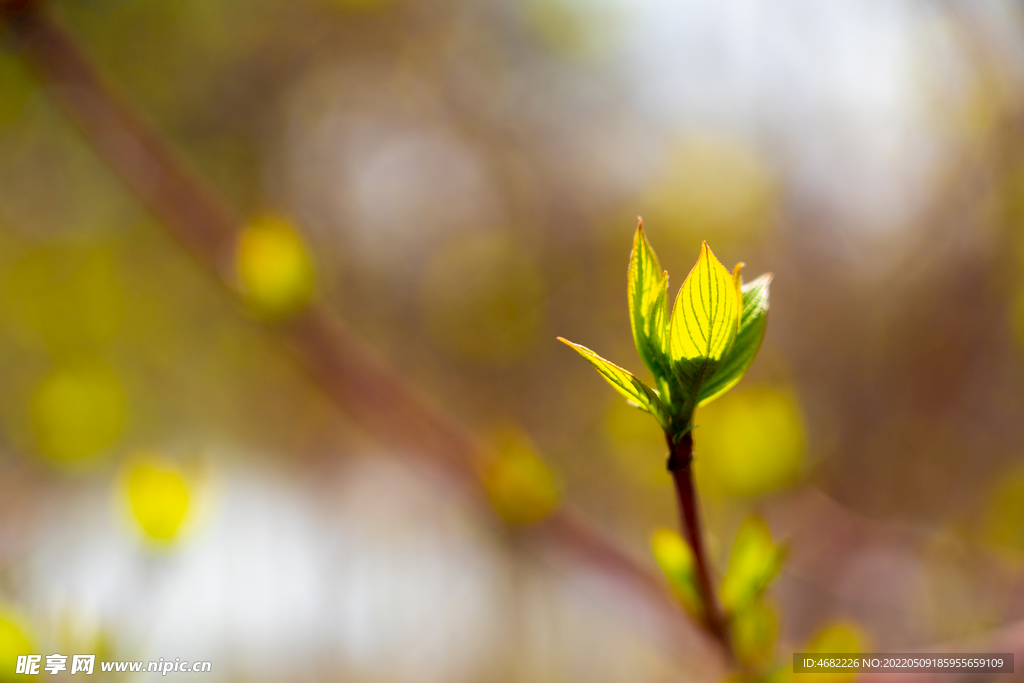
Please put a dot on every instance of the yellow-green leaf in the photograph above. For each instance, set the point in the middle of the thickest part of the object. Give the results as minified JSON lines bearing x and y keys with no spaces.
{"x":753,"y":320}
{"x":754,"y":630}
{"x":648,"y":305}
{"x":705,"y":319}
{"x":676,"y":559}
{"x":625,"y":383}
{"x":754,"y":562}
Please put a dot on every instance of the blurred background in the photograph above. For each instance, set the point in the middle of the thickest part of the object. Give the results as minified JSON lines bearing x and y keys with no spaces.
{"x":460,"y":181}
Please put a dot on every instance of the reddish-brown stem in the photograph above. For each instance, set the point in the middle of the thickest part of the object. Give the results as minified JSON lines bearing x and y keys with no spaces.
{"x":680,"y":461}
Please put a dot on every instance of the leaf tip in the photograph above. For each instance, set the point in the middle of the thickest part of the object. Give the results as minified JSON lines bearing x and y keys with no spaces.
{"x":737,"y":277}
{"x":578,"y":348}
{"x":639,"y":236}
{"x":706,"y":253}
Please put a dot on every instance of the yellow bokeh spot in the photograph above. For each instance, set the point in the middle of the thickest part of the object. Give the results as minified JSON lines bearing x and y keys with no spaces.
{"x":839,"y":638}
{"x":713,"y":187}
{"x":13,"y":642}
{"x":749,"y":442}
{"x":360,"y":6}
{"x":483,"y":298}
{"x":582,"y":30}
{"x":275,"y":273}
{"x":1003,"y":524}
{"x":637,"y":445}
{"x":521,"y":486}
{"x":158,"y":497}
{"x":77,"y":412}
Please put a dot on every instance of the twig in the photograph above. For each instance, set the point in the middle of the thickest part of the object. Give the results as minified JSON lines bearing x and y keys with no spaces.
{"x":680,"y":464}
{"x":335,"y":357}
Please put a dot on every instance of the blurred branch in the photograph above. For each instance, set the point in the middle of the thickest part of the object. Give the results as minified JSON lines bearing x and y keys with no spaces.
{"x":827,"y":536}
{"x":1007,"y":639}
{"x":335,"y":357}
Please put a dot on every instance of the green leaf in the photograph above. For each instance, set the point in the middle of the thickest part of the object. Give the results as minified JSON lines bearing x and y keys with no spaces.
{"x":754,"y":630}
{"x":648,"y":305}
{"x":705,"y":319}
{"x":625,"y":383}
{"x":676,"y":559}
{"x":748,"y":340}
{"x":754,"y":562}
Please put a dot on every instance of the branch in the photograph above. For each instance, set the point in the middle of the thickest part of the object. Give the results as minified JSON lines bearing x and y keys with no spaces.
{"x":334,"y":356}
